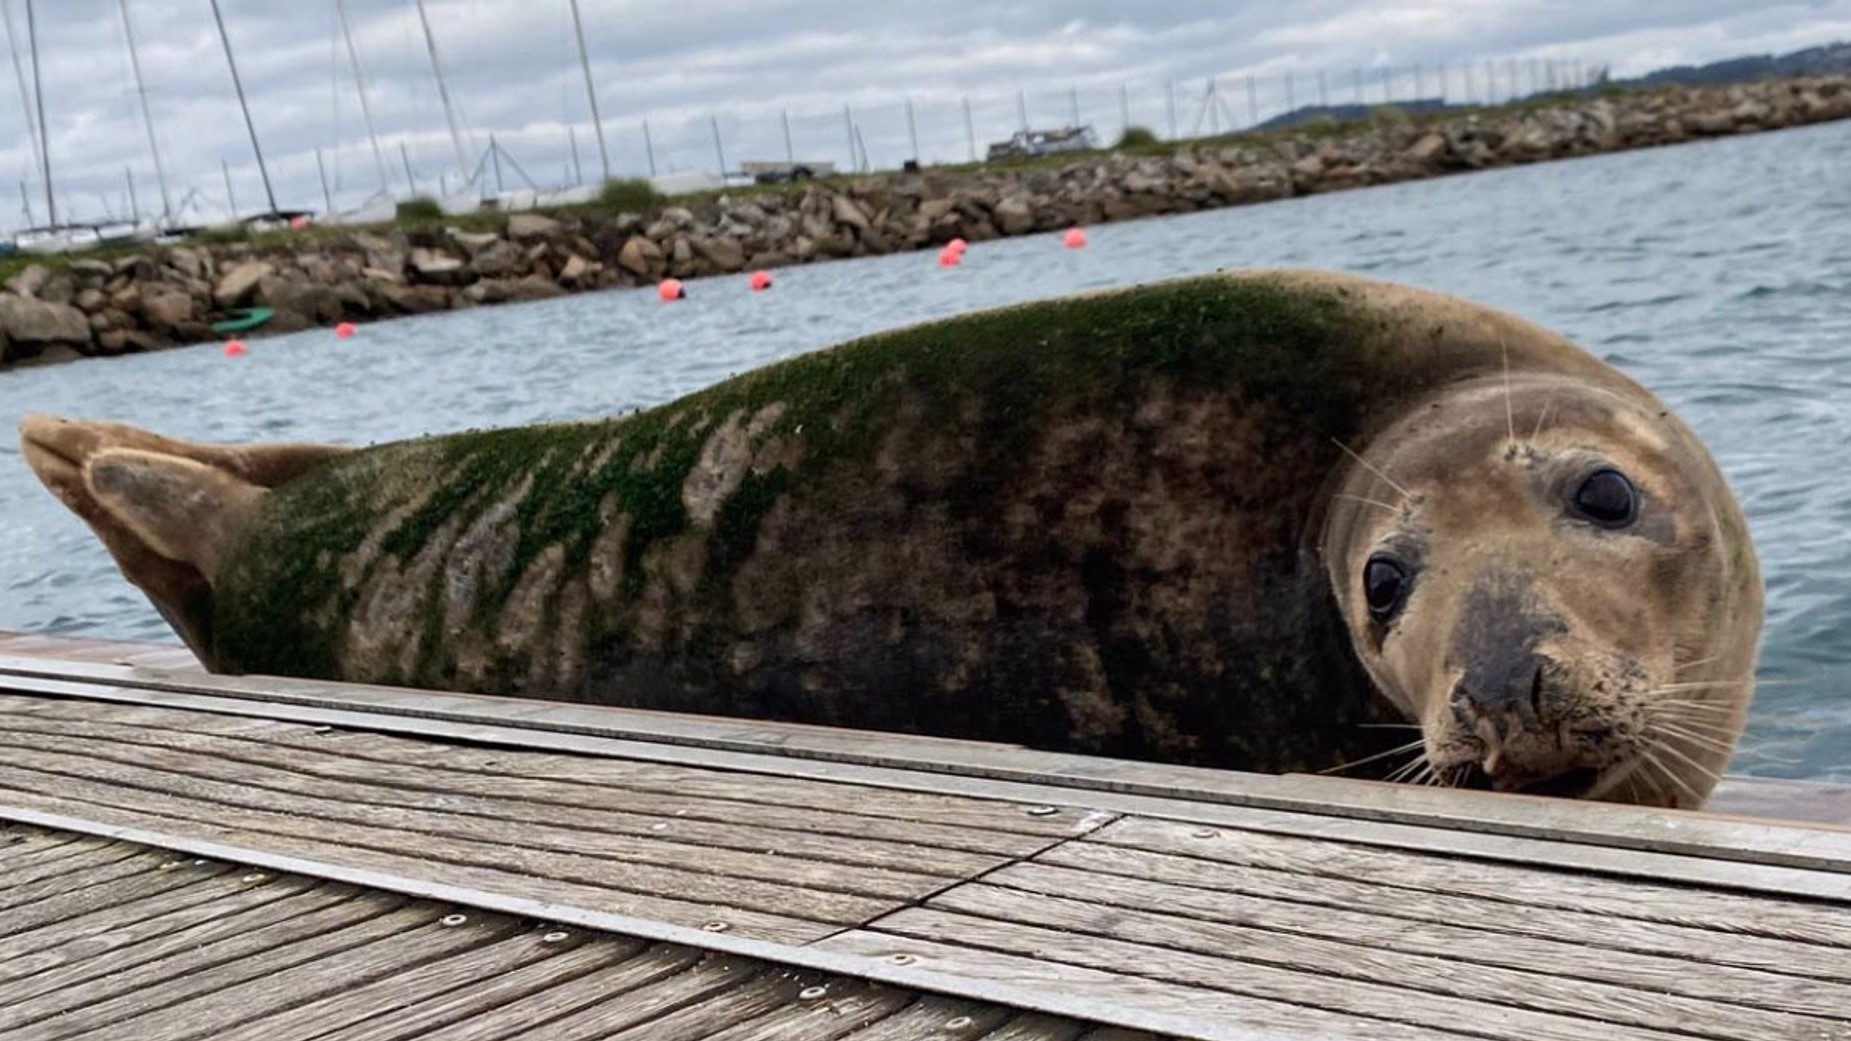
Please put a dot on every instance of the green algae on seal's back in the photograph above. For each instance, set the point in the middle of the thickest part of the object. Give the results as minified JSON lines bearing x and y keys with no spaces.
{"x":1088,"y":523}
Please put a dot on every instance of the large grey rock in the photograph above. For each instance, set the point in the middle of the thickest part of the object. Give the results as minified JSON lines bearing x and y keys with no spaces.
{"x":31,"y":321}
{"x":165,"y":308}
{"x":847,"y":211}
{"x":642,"y":257}
{"x":189,"y":262}
{"x":237,"y":285}
{"x":433,"y":266}
{"x":499,"y":259}
{"x":1014,"y":216}
{"x":723,"y":253}
{"x":28,"y":282}
{"x":524,"y":226}
{"x":473,"y":240}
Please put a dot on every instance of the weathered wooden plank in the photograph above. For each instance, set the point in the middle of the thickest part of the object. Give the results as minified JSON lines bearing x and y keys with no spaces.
{"x":308,"y":971}
{"x":844,"y":1005}
{"x":827,"y":809}
{"x":647,"y":838}
{"x":1036,"y":1027}
{"x":705,"y":981}
{"x":1529,"y":886}
{"x":494,"y":885}
{"x":69,"y":903}
{"x":466,"y":1007}
{"x":19,"y":842}
{"x":213,"y":968}
{"x":540,"y":1012}
{"x":95,"y":930}
{"x":937,"y":1018}
{"x":716,"y":1012}
{"x":1105,"y":793}
{"x":1386,"y":976}
{"x":238,"y":907}
{"x":100,"y":863}
{"x":1344,"y":996}
{"x":180,"y":773}
{"x":391,"y":995}
{"x":1609,"y":950}
{"x":33,"y":773}
{"x":1681,"y":832}
{"x":1214,"y":1012}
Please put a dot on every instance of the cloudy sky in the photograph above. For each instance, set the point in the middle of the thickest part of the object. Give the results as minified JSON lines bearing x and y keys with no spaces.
{"x":742,"y":66}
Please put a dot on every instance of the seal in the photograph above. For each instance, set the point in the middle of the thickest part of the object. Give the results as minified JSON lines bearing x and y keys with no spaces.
{"x":1253,"y":520}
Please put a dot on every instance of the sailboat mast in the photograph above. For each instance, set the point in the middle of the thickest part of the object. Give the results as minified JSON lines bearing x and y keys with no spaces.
{"x":25,"y":92}
{"x":38,"y":96}
{"x":366,"y":108}
{"x":443,"y":91}
{"x":591,"y":92}
{"x":147,"y":119}
{"x":238,"y":85}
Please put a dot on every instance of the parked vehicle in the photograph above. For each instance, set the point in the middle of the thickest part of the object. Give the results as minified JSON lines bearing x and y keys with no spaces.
{"x":1026,"y":144}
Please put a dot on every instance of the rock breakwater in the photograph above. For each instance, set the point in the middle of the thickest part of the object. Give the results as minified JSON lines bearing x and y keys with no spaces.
{"x":89,"y":306}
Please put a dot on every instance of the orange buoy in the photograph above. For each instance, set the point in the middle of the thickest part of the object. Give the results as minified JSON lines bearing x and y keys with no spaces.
{"x":345,"y":331}
{"x":949,"y":257}
{"x":235,"y":349}
{"x":1075,"y":238}
{"x":761,"y":281}
{"x":957,"y":244}
{"x":670,"y":290}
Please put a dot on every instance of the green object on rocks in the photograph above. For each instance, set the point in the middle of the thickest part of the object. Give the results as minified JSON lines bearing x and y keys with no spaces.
{"x":244,"y":318}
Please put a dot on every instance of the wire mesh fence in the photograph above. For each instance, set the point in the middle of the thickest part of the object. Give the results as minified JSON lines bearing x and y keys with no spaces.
{"x":941,"y":128}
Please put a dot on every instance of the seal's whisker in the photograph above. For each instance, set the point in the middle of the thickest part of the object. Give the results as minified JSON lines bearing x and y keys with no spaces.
{"x":1671,"y":775}
{"x":1696,"y":726}
{"x":1390,"y":507}
{"x":1389,"y":726}
{"x":1407,"y":769}
{"x":1692,"y":763}
{"x":1510,"y":413}
{"x":1374,"y":469}
{"x":1694,"y":738}
{"x":1675,"y":668}
{"x":1398,"y":750}
{"x":1543,"y":416}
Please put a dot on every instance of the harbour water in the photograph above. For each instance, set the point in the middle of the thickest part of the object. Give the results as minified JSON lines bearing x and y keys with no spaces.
{"x":1718,"y":274}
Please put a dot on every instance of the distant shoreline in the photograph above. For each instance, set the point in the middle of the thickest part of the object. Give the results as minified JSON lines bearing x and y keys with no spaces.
{"x":111,"y":303}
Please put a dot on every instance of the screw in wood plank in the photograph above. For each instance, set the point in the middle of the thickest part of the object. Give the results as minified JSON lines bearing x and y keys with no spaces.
{"x":255,"y":876}
{"x":170,"y":865}
{"x":556,"y":936}
{"x":901,"y":959}
{"x":199,"y":860}
{"x":714,"y":927}
{"x":812,"y":993}
{"x":659,"y":826}
{"x":1202,"y":833}
{"x":1042,"y":811}
{"x":957,"y":1022}
{"x":454,"y":919}
{"x":320,"y":729}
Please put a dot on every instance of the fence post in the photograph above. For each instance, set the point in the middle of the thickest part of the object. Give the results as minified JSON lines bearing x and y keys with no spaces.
{"x":649,"y":148}
{"x":718,"y":153}
{"x":790,"y":154}
{"x":912,"y":130}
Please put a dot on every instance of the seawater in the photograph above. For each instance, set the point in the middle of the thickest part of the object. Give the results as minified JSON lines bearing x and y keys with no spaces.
{"x":1717,"y":273}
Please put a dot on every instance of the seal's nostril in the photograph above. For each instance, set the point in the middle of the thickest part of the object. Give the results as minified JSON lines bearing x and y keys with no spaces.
{"x":1536,"y":692}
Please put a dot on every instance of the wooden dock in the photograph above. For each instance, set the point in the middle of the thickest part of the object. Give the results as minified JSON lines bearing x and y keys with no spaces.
{"x":195,"y":856}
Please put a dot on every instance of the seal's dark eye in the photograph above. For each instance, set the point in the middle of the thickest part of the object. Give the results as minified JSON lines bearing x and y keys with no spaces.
{"x":1607,"y":498}
{"x":1385,"y":582}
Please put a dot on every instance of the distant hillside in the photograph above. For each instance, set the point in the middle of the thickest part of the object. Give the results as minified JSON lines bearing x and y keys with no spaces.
{"x":1813,"y":61}
{"x":1831,"y":59}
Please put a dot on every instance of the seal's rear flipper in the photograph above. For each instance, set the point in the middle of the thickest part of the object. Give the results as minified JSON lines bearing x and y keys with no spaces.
{"x":166,"y":510}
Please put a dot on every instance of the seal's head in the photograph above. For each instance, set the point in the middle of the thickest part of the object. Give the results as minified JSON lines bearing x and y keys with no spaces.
{"x":1551,"y":576}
